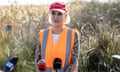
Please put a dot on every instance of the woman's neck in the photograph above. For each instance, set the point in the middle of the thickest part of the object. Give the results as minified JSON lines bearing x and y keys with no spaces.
{"x":57,"y":30}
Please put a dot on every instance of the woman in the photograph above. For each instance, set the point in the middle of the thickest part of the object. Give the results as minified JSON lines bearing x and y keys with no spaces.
{"x":58,"y":42}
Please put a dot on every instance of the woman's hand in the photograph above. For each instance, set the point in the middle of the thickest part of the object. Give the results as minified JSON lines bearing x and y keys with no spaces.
{"x":76,"y":68}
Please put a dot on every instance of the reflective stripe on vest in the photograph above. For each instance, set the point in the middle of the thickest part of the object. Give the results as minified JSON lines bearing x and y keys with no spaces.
{"x":44,"y":42}
{"x":68,"y":47}
{"x":43,"y":49}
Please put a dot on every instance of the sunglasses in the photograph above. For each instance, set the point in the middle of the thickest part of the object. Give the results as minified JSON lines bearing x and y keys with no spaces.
{"x":56,"y":13}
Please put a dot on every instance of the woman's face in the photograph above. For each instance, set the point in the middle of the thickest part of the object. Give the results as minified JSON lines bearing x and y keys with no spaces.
{"x":57,"y":18}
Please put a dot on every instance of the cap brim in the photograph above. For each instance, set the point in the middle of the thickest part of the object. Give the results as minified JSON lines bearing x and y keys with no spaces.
{"x":58,"y":10}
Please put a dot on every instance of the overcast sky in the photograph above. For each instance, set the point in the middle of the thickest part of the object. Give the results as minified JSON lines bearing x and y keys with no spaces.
{"x":35,"y":2}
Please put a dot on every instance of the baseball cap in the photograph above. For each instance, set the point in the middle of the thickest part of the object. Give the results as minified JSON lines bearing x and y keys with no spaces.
{"x":58,"y":6}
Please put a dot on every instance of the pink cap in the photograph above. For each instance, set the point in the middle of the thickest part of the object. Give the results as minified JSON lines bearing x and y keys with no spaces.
{"x":58,"y":6}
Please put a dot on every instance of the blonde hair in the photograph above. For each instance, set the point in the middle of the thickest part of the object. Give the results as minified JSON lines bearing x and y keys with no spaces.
{"x":67,"y":21}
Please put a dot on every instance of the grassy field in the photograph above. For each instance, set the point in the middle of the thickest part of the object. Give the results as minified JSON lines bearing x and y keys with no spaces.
{"x":98,"y":23}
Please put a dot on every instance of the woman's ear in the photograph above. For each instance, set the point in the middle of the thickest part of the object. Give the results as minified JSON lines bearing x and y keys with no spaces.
{"x":67,"y":18}
{"x":66,"y":14}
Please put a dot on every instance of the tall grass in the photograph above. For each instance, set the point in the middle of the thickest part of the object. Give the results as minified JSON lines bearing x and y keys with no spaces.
{"x":98,"y":24}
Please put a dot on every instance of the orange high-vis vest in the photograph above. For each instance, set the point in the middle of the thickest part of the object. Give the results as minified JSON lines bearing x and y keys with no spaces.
{"x":62,"y":49}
